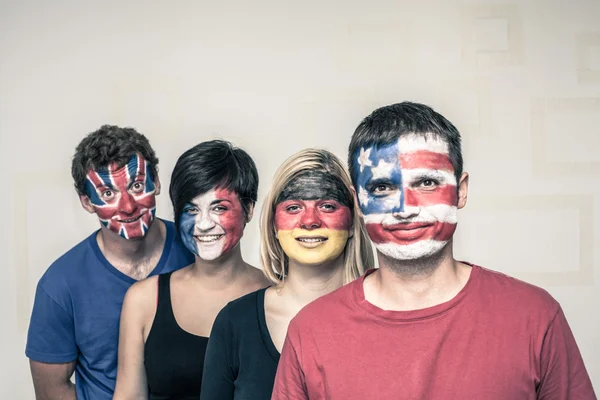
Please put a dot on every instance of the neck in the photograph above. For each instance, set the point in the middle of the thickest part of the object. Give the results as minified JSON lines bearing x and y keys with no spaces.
{"x":305,"y":283}
{"x":134,"y":250}
{"x":416,"y":284}
{"x":222,"y":271}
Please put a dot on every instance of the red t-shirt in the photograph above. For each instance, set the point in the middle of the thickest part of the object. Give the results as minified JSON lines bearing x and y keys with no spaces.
{"x":497,"y":339}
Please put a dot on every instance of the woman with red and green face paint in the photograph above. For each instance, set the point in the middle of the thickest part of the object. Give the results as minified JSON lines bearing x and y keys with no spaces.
{"x":313,"y":242}
{"x":166,"y":321}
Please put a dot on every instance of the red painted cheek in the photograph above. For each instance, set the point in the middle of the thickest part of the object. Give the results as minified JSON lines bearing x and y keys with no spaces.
{"x":445,"y":194}
{"x":233,"y":220}
{"x":340,"y":219}
{"x":285,"y":221}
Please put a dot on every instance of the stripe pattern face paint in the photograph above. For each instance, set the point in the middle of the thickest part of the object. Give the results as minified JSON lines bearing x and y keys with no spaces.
{"x":312,"y":232}
{"x":212,"y":223}
{"x":124,"y":199}
{"x":408,"y":195}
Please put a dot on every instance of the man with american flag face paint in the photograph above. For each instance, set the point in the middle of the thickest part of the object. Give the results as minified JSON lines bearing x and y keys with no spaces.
{"x":75,"y":320}
{"x":424,"y":325}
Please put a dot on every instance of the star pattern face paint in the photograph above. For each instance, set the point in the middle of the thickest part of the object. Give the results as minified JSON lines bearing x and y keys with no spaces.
{"x":124,"y":198}
{"x":212,"y":223}
{"x":407,"y":194}
{"x":312,"y":222}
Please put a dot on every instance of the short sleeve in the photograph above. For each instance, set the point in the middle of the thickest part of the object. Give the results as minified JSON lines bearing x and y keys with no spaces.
{"x":290,"y":382}
{"x":564,"y":376}
{"x":218,"y":374}
{"x":51,"y":335}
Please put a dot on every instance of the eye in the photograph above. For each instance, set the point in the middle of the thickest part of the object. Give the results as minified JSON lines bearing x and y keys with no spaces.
{"x":108,"y":194}
{"x":328,"y":207}
{"x":427,"y":183}
{"x":190,"y":210}
{"x":137,"y":187}
{"x":292,"y":208}
{"x":220,"y":209}
{"x":382,"y":189}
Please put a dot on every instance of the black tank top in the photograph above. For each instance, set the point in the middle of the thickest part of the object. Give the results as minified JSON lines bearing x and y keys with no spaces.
{"x":173,"y":358}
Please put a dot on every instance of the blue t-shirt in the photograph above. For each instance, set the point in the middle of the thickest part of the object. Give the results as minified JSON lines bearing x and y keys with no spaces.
{"x":77,"y":309}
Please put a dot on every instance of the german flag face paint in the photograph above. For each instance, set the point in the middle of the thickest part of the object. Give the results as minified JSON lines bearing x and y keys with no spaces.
{"x":124,"y":198}
{"x":312,"y":219}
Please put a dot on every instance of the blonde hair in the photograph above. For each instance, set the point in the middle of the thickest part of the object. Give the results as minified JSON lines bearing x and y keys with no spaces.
{"x":358,"y":253}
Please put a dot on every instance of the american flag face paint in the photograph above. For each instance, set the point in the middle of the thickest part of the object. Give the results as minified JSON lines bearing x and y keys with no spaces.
{"x":408,"y":196}
{"x":312,"y":232}
{"x":124,"y":198}
{"x":212,"y":223}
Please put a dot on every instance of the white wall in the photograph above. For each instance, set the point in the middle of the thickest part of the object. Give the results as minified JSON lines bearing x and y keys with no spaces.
{"x":520,"y":79}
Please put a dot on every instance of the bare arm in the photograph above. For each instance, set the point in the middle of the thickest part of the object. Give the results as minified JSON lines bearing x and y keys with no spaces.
{"x":131,"y":375}
{"x":53,"y":381}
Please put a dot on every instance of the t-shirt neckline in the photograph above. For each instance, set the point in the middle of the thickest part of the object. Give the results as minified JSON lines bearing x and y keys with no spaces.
{"x":159,"y":266}
{"x":262,"y":325}
{"x":358,"y":295}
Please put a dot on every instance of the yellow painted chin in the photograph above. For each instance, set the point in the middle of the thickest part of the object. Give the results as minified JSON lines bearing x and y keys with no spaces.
{"x":313,"y":254}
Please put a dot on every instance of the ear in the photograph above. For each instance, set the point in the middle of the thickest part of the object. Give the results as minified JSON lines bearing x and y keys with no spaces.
{"x":156,"y":185}
{"x":356,"y":202}
{"x":86,"y":203}
{"x":250,"y":213}
{"x":463,"y":190}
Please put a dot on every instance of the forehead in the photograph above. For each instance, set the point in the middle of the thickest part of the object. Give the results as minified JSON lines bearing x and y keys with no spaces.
{"x":213,"y":195}
{"x":136,"y":165}
{"x":409,"y":150}
{"x":314,"y":185}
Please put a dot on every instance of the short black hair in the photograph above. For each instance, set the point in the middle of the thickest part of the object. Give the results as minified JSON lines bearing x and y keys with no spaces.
{"x":109,"y":144}
{"x":386,"y":124}
{"x":211,"y":164}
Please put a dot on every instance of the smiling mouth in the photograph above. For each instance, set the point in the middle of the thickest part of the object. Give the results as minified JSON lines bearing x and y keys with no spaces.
{"x":208,"y":238}
{"x":128,"y":221}
{"x":412,"y":226}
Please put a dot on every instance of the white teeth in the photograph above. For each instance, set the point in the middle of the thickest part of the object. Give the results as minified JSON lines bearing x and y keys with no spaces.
{"x":208,"y":238}
{"x":311,"y":240}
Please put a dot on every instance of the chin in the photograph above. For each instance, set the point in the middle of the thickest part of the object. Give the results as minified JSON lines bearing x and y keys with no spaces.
{"x":413,"y":251}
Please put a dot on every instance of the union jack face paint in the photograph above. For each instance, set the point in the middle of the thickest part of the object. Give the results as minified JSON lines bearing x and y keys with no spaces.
{"x":407,"y":193}
{"x":124,"y":198}
{"x":212,"y":223}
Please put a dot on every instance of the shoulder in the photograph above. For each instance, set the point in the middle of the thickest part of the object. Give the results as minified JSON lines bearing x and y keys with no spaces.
{"x":142,"y":296}
{"x":63,"y":272}
{"x":512,"y":292}
{"x":243,"y":310}
{"x":326,"y":308}
{"x":256,"y":278}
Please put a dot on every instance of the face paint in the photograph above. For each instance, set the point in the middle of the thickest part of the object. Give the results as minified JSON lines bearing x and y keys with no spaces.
{"x":313,"y":219}
{"x":124,"y":198}
{"x":407,"y":194}
{"x":212,"y":223}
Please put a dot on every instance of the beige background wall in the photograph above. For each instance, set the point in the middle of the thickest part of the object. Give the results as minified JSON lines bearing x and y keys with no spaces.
{"x":520,"y":79}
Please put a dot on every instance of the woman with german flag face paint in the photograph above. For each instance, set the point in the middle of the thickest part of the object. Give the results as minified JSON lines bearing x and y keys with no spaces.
{"x":313,"y":242}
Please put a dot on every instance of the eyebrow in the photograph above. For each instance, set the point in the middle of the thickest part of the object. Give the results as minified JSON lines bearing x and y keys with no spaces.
{"x":216,"y":201}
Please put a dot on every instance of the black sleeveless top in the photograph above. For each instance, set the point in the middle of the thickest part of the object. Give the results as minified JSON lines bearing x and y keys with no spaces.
{"x":173,"y":358}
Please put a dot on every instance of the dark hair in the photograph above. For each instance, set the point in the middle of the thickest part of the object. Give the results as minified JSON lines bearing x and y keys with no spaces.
{"x":109,"y":144}
{"x":386,"y":124}
{"x":216,"y":163}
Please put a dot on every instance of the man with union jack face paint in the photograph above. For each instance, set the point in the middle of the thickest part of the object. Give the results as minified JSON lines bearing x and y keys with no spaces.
{"x":75,"y":320}
{"x":424,"y":325}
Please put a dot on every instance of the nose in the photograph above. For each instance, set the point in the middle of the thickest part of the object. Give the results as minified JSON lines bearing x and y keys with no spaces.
{"x":205,"y":223}
{"x":126,"y":203}
{"x":407,"y":212}
{"x":310,"y":219}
